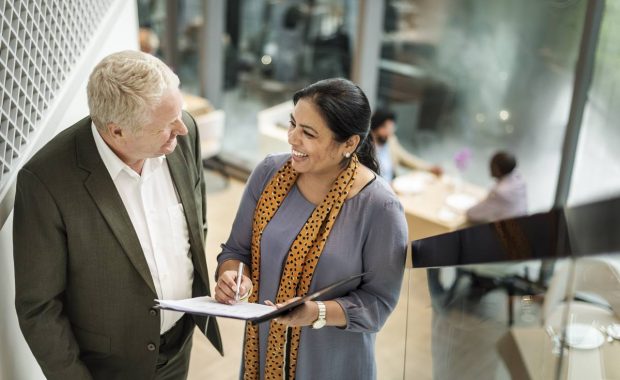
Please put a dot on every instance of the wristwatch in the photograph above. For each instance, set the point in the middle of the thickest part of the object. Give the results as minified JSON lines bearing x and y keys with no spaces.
{"x":320,"y":321}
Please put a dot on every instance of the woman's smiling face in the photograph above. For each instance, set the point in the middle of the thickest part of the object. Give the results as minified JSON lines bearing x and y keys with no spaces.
{"x":314,"y":148}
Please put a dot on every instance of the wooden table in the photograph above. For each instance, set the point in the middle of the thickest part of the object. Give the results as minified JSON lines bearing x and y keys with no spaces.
{"x":427,"y":212}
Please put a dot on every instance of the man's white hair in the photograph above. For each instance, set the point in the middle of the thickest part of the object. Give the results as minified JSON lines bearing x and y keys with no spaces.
{"x":125,"y":87}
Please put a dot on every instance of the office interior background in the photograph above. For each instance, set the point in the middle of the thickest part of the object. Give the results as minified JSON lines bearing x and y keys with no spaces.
{"x":539,"y":78}
{"x":459,"y":74}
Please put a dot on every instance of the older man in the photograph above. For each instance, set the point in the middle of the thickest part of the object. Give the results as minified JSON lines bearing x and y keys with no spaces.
{"x":110,"y":215}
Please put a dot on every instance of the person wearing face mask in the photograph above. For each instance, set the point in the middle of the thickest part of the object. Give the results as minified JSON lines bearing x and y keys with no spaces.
{"x":307,"y":219}
{"x":390,"y":153}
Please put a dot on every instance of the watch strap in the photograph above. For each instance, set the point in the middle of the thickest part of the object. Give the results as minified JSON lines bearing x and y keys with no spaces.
{"x":321,"y":320}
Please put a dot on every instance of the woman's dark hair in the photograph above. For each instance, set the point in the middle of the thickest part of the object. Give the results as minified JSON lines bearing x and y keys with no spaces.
{"x":345,"y":108}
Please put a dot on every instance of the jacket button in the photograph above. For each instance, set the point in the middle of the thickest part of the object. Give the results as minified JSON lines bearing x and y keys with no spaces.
{"x":150,"y":347}
{"x":153,"y":312}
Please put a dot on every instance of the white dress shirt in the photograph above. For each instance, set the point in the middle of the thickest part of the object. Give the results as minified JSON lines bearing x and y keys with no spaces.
{"x":157,"y":216}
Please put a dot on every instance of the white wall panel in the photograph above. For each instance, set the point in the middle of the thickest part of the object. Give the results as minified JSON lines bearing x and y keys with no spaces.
{"x":47,"y":50}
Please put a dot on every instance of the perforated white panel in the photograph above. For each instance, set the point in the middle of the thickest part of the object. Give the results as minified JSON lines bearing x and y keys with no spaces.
{"x":40,"y":43}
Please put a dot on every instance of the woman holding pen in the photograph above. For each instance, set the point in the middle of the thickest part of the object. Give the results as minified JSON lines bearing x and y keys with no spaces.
{"x":307,"y":219}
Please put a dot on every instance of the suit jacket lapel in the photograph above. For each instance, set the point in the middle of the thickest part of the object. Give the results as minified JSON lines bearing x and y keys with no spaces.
{"x":180,"y":172}
{"x":106,"y":197}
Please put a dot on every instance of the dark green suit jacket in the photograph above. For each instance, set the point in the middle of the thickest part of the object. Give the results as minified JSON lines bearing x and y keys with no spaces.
{"x":84,"y":293}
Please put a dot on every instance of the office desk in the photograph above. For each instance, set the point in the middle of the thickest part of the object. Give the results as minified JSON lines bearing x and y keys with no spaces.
{"x":438,"y":206}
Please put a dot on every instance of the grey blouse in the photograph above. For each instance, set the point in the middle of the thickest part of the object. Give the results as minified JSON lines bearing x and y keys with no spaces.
{"x":370,"y":234}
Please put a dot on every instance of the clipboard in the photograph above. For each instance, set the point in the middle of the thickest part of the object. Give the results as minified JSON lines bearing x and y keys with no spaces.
{"x":251,"y":312}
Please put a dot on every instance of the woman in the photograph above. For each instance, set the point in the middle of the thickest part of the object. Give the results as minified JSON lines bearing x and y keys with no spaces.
{"x":310,"y":218}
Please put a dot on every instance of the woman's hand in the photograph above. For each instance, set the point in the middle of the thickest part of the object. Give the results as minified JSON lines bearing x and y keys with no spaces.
{"x":227,"y":284}
{"x":303,"y":315}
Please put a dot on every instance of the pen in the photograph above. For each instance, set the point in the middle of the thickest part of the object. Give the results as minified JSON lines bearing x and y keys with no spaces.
{"x":239,"y":275}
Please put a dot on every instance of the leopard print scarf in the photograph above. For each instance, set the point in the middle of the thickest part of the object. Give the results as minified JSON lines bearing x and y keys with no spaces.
{"x":301,"y":261}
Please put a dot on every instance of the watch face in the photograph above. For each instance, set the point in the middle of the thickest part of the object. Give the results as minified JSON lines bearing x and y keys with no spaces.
{"x":318,"y":324}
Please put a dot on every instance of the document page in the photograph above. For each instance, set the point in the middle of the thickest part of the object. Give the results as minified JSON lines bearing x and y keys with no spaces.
{"x":254,"y":312}
{"x":209,"y":306}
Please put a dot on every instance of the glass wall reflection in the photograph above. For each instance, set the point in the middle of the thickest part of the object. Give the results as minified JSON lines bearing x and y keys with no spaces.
{"x":483,"y":76}
{"x":569,"y":331}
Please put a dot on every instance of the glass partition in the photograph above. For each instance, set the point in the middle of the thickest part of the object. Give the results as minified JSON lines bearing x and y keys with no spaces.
{"x":464,"y":322}
{"x":478,"y":308}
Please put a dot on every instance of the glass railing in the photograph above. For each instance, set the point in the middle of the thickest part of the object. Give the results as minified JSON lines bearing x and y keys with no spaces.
{"x":536,"y":297}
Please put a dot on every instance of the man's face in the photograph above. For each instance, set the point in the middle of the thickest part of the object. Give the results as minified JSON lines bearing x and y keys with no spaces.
{"x":159,"y":136}
{"x":384,"y":132}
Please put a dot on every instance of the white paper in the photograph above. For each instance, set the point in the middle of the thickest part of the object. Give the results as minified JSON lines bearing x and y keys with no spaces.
{"x":446,"y":215}
{"x":209,"y":306}
{"x":412,"y":183}
{"x":460,"y":201}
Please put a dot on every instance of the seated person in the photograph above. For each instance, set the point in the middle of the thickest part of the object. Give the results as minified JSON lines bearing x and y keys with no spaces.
{"x":390,"y":153}
{"x":508,"y":198}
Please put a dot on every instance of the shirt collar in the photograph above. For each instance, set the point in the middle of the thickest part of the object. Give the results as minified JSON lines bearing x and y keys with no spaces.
{"x":115,"y":165}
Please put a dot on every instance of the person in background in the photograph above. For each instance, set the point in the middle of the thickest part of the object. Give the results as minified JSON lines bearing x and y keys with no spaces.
{"x":148,"y":40}
{"x":110,"y":215}
{"x":390,"y":153}
{"x":507,"y":198}
{"x":307,"y":219}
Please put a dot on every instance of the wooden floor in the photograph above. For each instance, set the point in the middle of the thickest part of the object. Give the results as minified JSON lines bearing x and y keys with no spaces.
{"x":404,"y":350}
